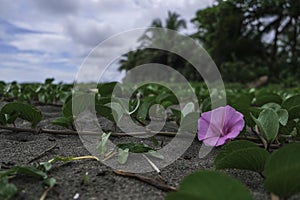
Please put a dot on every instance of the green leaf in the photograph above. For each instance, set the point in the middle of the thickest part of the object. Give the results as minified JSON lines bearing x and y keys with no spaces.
{"x":288,"y":128}
{"x":82,"y":103}
{"x":134,"y":147}
{"x":182,"y":195}
{"x":241,"y":155}
{"x":63,"y":121}
{"x":2,"y":119}
{"x":155,"y":154}
{"x":273,"y":106}
{"x":123,"y":156}
{"x":24,"y":111}
{"x":106,"y":112}
{"x":45,"y":166}
{"x":267,"y":98}
{"x":7,"y":190}
{"x":292,"y":105}
{"x":49,"y":81}
{"x":268,"y":124}
{"x":106,"y":89}
{"x":190,"y":123}
{"x":32,"y":171}
{"x":210,"y":185}
{"x":102,"y":147}
{"x":282,"y":171}
{"x":283,"y":116}
{"x":188,"y":108}
{"x":117,"y":110}
{"x":143,"y":110}
{"x":50,"y":182}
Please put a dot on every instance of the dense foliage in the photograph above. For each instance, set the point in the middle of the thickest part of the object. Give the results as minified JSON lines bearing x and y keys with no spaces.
{"x":271,"y":121}
{"x":246,"y":39}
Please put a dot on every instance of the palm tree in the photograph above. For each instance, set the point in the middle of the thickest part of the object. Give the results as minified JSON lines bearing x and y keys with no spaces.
{"x":151,"y":37}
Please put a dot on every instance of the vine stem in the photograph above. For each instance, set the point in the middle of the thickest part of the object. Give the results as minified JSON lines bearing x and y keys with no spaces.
{"x":146,"y":179}
{"x":69,"y":132}
{"x":266,"y":146}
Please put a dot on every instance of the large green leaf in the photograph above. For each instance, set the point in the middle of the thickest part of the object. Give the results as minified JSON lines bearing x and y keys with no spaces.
{"x":292,"y":105}
{"x":210,"y":185}
{"x":268,"y":124}
{"x":262,"y":99}
{"x":242,"y":155}
{"x":24,"y":111}
{"x":283,"y":114}
{"x":282,"y":171}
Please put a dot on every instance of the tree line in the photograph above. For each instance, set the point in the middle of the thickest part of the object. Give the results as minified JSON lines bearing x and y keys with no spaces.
{"x":245,"y":38}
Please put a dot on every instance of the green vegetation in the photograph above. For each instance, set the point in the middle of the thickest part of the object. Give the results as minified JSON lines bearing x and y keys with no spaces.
{"x":246,"y":39}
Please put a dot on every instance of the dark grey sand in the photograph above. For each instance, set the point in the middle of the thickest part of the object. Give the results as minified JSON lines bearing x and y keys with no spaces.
{"x":20,"y":148}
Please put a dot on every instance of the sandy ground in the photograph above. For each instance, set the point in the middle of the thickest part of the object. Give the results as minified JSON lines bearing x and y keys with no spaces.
{"x":20,"y":148}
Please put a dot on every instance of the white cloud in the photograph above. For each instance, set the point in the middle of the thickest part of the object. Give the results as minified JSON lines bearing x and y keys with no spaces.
{"x":74,"y":28}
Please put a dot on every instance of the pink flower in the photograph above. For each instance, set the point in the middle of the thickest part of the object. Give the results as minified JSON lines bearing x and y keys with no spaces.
{"x":218,"y":126}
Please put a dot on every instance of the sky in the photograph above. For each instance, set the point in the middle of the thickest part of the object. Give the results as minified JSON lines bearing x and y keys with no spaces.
{"x":42,"y":39}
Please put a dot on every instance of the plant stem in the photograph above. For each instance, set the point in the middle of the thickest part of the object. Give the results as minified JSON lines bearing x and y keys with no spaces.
{"x":148,"y":180}
{"x":42,"y":154}
{"x":70,"y":132}
{"x":266,"y":146}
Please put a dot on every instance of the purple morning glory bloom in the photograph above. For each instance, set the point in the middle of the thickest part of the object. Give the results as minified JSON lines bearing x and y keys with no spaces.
{"x":218,"y":126}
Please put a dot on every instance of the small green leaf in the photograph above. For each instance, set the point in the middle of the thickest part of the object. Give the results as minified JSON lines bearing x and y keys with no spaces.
{"x":134,"y":147}
{"x":44,"y":166}
{"x":241,"y":155}
{"x":50,"y":182}
{"x":188,"y":108}
{"x":7,"y":190}
{"x":155,"y":154}
{"x":123,"y":156}
{"x":210,"y":185}
{"x":282,"y":171}
{"x":283,"y":116}
{"x":143,"y":110}
{"x":268,"y":124}
{"x":102,"y":147}
{"x":24,"y":111}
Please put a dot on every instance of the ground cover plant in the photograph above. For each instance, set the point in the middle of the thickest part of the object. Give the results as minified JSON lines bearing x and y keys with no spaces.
{"x":266,"y":141}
